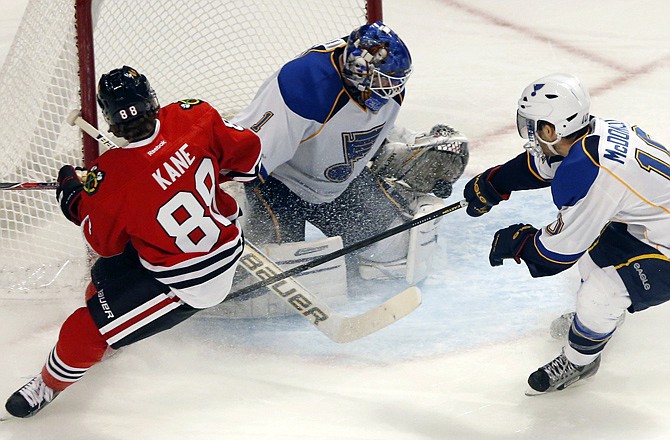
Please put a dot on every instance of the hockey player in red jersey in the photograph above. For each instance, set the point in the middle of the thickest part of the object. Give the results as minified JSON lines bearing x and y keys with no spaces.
{"x":167,"y":234}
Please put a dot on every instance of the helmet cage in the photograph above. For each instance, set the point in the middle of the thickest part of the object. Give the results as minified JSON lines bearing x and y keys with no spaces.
{"x":527,"y":128}
{"x":387,"y":86}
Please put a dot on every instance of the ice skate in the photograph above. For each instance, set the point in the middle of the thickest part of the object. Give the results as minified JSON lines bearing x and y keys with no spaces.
{"x":559,"y":374}
{"x":30,"y":398}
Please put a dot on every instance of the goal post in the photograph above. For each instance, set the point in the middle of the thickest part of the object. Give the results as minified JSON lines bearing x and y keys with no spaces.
{"x":215,"y":50}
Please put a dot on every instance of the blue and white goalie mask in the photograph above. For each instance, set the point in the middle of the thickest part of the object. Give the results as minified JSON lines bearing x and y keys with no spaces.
{"x":377,"y":63}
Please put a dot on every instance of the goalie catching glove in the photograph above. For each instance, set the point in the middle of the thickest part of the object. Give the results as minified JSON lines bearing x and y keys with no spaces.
{"x":429,"y":165}
{"x":68,"y":193}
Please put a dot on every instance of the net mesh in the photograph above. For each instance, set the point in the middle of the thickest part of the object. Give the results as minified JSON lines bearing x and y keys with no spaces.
{"x":212,"y":50}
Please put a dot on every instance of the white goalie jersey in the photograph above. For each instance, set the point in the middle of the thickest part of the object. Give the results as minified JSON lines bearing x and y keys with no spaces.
{"x":615,"y":173}
{"x":315,"y":137}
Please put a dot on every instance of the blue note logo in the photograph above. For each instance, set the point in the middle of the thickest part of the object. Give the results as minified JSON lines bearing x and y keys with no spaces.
{"x":355,"y":145}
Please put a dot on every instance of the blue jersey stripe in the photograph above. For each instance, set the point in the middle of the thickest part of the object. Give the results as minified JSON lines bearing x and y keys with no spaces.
{"x":554,"y":257}
{"x":576,"y":174}
{"x":312,"y":86}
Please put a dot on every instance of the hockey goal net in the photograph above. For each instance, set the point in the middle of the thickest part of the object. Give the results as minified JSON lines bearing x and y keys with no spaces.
{"x":219,"y":51}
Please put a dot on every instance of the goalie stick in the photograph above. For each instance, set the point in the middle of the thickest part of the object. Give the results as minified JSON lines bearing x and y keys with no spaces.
{"x":347,"y":249}
{"x":337,"y":327}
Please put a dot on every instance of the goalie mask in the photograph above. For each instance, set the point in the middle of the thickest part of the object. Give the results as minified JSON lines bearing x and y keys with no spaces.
{"x":559,"y":99}
{"x":377,"y":63}
{"x":124,"y":95}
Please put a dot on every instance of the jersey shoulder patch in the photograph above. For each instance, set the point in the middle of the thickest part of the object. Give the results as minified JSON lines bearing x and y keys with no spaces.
{"x":577,"y":172}
{"x":93,"y":179}
{"x":183,"y":113}
{"x":311,"y":85}
{"x":188,"y":104}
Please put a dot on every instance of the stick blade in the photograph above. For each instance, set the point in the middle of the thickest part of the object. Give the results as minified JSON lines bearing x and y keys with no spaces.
{"x":385,"y":314}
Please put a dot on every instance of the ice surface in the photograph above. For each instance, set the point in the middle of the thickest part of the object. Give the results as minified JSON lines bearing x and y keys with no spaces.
{"x":456,"y":367}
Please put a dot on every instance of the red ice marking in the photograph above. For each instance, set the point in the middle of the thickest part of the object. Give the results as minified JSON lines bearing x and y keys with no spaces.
{"x":625,"y":73}
{"x":531,"y":33}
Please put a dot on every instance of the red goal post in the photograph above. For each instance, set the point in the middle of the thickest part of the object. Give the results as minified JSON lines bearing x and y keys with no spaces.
{"x":215,"y":50}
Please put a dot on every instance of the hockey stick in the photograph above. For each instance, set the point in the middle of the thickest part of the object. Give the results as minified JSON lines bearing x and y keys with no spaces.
{"x":74,"y":118}
{"x":347,"y":249}
{"x":337,"y":327}
{"x":28,"y":185}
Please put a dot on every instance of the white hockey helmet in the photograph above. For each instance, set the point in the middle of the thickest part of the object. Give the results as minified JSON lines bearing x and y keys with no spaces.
{"x":559,"y":99}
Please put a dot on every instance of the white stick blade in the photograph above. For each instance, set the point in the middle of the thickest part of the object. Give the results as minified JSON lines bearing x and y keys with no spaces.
{"x":356,"y":327}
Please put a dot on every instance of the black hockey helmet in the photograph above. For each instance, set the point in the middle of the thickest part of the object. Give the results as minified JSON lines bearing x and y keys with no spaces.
{"x":125,"y":95}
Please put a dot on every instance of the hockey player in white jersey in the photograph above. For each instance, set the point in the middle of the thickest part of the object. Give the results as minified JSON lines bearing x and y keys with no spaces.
{"x":322,"y":118}
{"x":611,"y":184}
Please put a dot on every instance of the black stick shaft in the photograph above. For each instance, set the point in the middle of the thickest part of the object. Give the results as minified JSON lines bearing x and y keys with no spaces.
{"x":28,"y":185}
{"x":348,"y":249}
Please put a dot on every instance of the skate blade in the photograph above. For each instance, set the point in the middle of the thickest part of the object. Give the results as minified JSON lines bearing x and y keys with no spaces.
{"x":581,"y":381}
{"x":5,"y":416}
{"x":532,"y":393}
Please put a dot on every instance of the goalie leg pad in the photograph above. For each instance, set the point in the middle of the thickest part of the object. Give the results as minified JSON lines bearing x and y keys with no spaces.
{"x":423,"y":241}
{"x":408,"y":255}
{"x":386,"y":259}
{"x":329,"y":280}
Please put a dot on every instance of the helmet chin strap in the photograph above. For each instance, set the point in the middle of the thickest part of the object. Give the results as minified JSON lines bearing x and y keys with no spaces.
{"x":550,"y":145}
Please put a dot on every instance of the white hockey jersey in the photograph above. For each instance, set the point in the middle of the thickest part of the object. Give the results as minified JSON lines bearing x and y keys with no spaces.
{"x":315,"y":137}
{"x":615,"y":173}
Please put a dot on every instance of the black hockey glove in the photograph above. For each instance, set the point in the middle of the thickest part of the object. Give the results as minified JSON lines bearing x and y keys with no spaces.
{"x":69,"y":194}
{"x":481,"y":195}
{"x":508,"y":243}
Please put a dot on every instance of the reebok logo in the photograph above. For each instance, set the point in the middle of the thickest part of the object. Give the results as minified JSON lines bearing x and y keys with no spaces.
{"x":153,"y":151}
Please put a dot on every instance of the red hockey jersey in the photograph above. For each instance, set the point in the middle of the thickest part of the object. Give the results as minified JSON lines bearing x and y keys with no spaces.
{"x":162,"y":194}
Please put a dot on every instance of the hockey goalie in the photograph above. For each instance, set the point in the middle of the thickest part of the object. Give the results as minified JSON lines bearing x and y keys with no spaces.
{"x":333,"y":157}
